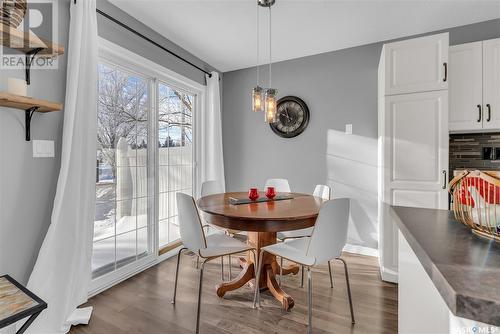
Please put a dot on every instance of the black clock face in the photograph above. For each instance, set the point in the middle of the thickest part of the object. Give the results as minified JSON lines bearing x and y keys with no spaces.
{"x":292,"y":117}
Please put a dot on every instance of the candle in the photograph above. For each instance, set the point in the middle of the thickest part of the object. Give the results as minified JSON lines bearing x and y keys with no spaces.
{"x":17,"y":86}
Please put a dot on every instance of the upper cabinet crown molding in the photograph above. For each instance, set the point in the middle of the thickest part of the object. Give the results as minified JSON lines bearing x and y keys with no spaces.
{"x":416,"y":65}
{"x":475,"y":86}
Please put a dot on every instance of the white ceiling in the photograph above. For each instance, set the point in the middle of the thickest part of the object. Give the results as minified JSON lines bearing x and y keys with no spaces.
{"x":223,"y":32}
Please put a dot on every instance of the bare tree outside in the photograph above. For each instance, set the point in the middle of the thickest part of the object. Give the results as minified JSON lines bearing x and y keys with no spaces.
{"x":122,"y":113}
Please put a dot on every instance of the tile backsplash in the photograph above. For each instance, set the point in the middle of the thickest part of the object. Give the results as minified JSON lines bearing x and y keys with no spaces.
{"x":475,"y":151}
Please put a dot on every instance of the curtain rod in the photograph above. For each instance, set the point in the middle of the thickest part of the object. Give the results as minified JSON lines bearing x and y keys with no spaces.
{"x":109,"y":17}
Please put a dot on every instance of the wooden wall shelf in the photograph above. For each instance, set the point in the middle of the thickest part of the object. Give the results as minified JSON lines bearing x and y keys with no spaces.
{"x":27,"y":42}
{"x":29,"y":105}
{"x":25,"y":102}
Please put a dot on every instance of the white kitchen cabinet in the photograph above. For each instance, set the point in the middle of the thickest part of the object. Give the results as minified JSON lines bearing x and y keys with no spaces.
{"x":417,"y":65}
{"x":491,"y":84}
{"x":416,"y":146}
{"x":466,"y":87}
{"x":475,"y":86}
{"x":413,"y":135}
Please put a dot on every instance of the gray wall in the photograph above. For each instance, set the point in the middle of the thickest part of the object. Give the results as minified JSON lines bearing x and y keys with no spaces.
{"x":340,"y":88}
{"x":27,"y":185}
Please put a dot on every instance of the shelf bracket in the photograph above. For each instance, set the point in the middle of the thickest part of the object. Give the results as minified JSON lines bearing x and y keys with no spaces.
{"x":28,"y":114}
{"x":30,"y":56}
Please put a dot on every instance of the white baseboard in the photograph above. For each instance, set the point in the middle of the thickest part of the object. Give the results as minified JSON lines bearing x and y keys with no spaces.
{"x":362,"y":250}
{"x":388,"y":275}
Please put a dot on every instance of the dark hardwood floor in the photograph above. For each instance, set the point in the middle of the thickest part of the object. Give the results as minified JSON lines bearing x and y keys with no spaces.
{"x":141,"y":304}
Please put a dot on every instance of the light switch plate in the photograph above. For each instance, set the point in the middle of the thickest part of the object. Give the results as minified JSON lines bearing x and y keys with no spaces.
{"x":43,"y":149}
{"x":348,"y":129}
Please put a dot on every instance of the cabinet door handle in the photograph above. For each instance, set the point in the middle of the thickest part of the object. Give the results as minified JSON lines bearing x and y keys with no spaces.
{"x":488,"y":107}
{"x":445,"y":181}
{"x":480,"y":114}
{"x":445,"y":72}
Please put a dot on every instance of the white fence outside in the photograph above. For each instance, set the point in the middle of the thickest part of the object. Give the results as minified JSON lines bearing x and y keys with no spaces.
{"x":175,"y":173}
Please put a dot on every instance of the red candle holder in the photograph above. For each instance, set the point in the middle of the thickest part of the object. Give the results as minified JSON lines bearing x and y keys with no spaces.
{"x":270,"y":192}
{"x":253,"y":194}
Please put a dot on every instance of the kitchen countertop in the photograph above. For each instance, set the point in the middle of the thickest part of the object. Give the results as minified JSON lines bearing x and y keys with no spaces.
{"x":464,"y":267}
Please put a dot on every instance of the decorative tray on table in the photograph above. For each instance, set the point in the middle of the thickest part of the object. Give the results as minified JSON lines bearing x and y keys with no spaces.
{"x":238,"y":201}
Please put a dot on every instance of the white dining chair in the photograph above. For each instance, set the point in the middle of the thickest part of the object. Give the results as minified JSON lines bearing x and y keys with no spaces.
{"x":211,"y":187}
{"x":207,"y":247}
{"x":280,"y":185}
{"x":324,"y":192}
{"x":326,"y":243}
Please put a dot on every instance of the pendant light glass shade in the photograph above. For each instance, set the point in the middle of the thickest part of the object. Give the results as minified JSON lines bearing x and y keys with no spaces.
{"x":257,"y":99}
{"x":270,"y":105}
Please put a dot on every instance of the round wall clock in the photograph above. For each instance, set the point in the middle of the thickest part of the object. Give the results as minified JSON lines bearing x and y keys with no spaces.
{"x":292,"y":117}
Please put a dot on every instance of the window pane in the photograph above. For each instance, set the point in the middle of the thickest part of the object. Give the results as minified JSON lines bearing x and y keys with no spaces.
{"x":163,"y":233}
{"x":125,"y":248}
{"x":105,"y":191}
{"x":126,"y":219}
{"x":163,"y":206}
{"x":163,"y":178}
{"x":175,"y":142}
{"x":121,"y":168}
{"x":104,"y":221}
{"x":142,"y":212}
{"x":173,"y":229}
{"x":103,"y":257}
{"x":142,"y":242}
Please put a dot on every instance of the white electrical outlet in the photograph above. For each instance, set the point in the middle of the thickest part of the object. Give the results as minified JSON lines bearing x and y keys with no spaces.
{"x":348,"y":129}
{"x":43,"y":149}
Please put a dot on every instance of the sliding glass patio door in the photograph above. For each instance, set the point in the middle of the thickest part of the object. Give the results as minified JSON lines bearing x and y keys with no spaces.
{"x":145,"y":155}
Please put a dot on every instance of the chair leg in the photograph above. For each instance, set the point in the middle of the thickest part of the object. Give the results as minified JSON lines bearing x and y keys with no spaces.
{"x":309,"y":300}
{"x":200,"y":286}
{"x":230,"y":264}
{"x":331,"y":275}
{"x":302,"y":277}
{"x":177,"y":273}
{"x":222,"y":267}
{"x":197,"y":262}
{"x":281,"y":270}
{"x":348,"y":288}
{"x":256,"y":297}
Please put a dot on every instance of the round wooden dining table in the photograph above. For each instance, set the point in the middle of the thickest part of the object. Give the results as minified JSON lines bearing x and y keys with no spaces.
{"x":262,"y":220}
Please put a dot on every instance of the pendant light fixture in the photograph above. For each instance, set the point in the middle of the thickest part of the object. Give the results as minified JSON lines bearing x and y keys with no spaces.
{"x":265,"y":99}
{"x":257,"y":91}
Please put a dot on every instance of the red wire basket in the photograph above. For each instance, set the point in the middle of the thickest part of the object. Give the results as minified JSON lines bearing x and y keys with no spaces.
{"x":476,"y":202}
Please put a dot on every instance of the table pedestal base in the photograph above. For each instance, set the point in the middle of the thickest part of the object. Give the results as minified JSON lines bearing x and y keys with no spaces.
{"x":269,"y":271}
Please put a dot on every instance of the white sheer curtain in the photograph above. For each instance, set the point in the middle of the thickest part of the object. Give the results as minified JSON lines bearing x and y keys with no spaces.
{"x":61,"y":274}
{"x":212,"y":161}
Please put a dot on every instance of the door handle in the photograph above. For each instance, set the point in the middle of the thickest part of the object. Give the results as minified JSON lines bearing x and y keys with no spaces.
{"x":445,"y":72}
{"x":488,"y":107}
{"x":480,"y":114}
{"x":445,"y":181}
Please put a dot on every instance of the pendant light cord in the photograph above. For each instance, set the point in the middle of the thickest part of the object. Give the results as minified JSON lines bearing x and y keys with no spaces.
{"x":270,"y":46}
{"x":258,"y":33}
